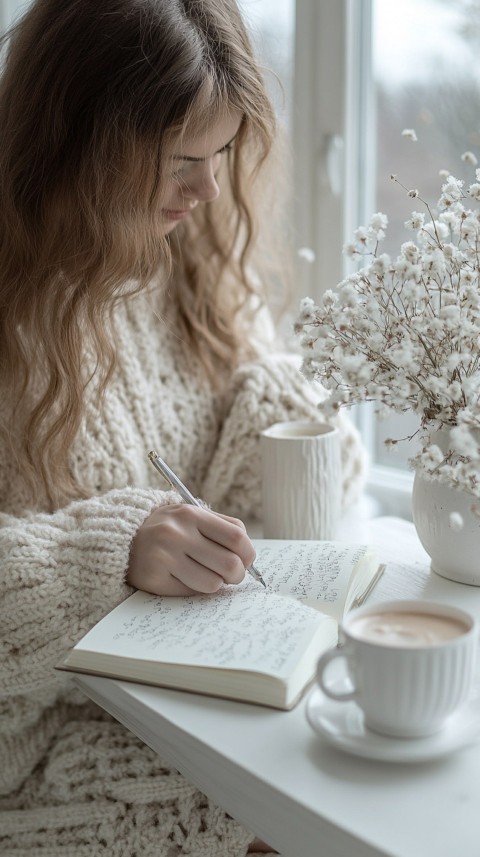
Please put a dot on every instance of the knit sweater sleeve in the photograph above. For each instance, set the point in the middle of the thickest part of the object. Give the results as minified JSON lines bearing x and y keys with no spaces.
{"x":262,"y":393}
{"x":61,"y":573}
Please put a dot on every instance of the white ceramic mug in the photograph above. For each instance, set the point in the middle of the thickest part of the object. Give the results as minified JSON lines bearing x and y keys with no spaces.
{"x":411,"y":664}
{"x":301,"y":480}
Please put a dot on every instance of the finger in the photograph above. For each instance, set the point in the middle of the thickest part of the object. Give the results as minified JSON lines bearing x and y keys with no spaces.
{"x":236,"y":521}
{"x":165,"y":577}
{"x":169,"y":586}
{"x":227,"y":534}
{"x":217,"y":558}
{"x":197,"y":577}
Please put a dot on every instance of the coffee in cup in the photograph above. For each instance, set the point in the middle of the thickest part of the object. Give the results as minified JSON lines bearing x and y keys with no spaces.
{"x":407,"y":628}
{"x":411,"y":664}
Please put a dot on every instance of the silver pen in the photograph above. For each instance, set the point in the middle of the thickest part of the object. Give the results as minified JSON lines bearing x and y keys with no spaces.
{"x":186,"y":495}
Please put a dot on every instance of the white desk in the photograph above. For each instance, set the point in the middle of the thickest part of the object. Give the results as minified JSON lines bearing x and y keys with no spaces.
{"x":272,"y":772}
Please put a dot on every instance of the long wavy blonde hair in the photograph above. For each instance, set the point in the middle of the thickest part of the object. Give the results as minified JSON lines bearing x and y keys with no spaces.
{"x":91,"y":96}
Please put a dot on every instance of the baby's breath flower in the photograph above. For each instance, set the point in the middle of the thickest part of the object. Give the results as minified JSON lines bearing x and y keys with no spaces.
{"x":434,"y":454}
{"x":450,"y":219}
{"x":410,"y":134}
{"x":307,"y":254}
{"x":413,"y":193}
{"x":307,"y":312}
{"x":469,"y":158}
{"x":433,"y":263}
{"x":330,"y":298}
{"x":416,"y":221}
{"x":468,"y":229}
{"x":469,"y":278}
{"x":362,"y":235}
{"x":411,"y":291}
{"x":378,"y":222}
{"x":463,"y":442}
{"x":411,"y":253}
{"x":350,"y":250}
{"x":474,"y":191}
{"x":452,"y":361}
{"x":381,"y":264}
{"x":452,"y":190}
{"x":403,"y":332}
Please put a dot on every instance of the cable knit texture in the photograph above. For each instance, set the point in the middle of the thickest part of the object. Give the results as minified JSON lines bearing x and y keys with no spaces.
{"x":74,"y":782}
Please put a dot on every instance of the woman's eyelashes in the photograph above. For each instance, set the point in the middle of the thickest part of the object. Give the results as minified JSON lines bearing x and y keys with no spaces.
{"x":188,"y":167}
{"x":227,"y":148}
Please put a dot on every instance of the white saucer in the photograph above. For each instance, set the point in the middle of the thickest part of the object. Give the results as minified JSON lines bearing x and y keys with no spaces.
{"x":341,"y":724}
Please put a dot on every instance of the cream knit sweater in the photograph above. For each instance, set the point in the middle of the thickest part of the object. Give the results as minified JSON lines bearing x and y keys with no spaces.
{"x":74,"y":782}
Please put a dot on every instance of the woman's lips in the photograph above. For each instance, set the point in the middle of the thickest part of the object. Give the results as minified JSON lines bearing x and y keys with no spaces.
{"x":171,"y":214}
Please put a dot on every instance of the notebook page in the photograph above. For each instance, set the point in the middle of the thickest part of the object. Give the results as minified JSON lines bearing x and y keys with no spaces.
{"x":310,"y":571}
{"x":250,"y":629}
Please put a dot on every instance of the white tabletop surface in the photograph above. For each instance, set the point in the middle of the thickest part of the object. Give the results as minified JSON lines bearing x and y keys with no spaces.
{"x":269,"y":769}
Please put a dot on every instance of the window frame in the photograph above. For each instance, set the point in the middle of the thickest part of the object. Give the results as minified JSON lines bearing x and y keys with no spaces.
{"x":318,"y":134}
{"x":334,"y":143}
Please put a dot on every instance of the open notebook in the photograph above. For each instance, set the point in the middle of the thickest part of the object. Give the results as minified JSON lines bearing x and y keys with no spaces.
{"x":243,"y":642}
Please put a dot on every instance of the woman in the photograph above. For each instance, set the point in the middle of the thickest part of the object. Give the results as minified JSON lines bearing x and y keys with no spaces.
{"x":127,"y":316}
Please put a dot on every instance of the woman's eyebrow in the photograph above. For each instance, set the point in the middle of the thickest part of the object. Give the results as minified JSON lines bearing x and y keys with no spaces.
{"x":198,"y":160}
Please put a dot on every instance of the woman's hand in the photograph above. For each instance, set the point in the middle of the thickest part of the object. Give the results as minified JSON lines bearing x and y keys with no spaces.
{"x":182,"y":549}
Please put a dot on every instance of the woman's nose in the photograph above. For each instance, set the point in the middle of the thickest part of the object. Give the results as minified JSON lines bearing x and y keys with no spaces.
{"x":203,"y":185}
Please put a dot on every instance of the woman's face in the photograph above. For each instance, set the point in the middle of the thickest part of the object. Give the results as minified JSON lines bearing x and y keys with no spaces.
{"x":194,"y":167}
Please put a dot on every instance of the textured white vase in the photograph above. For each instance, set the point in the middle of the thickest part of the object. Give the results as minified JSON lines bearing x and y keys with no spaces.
{"x":455,"y":553}
{"x":301,"y":480}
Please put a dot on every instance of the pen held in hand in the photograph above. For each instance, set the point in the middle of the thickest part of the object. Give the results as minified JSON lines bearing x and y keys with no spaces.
{"x":188,"y":497}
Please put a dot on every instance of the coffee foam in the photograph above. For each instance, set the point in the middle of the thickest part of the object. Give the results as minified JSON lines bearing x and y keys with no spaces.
{"x":406,"y":629}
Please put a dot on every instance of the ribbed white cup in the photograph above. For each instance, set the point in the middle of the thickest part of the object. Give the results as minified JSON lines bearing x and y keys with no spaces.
{"x":405,"y":692}
{"x":301,"y":480}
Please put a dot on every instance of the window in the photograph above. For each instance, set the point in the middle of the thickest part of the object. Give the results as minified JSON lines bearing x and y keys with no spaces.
{"x":426,"y":77}
{"x":272,"y":27}
{"x":9,"y":11}
{"x":363,"y":71}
